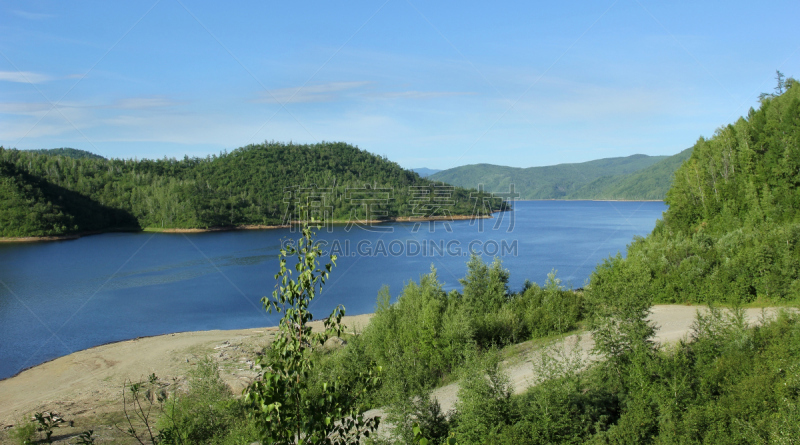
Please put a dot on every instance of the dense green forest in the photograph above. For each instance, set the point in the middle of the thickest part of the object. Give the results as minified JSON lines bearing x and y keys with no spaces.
{"x":63,"y":191}
{"x":550,"y":182}
{"x":732,"y":230}
{"x":650,"y":183}
{"x":32,"y":206}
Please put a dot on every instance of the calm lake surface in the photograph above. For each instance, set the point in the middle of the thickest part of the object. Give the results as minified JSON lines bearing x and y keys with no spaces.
{"x":61,"y":297}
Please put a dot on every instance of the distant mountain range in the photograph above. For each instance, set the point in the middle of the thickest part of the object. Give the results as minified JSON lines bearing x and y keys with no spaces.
{"x":636,"y":177}
{"x":648,"y":183}
{"x":425,"y":172}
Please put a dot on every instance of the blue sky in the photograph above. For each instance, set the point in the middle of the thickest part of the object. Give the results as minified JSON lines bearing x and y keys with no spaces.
{"x":426,"y":84}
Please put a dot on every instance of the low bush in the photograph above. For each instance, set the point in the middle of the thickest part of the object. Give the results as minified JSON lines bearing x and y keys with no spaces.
{"x":24,"y":431}
{"x":205,"y":413}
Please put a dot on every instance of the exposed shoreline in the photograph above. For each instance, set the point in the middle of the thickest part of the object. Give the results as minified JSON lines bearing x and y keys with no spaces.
{"x":85,"y":381}
{"x":73,"y":236}
{"x":593,"y":200}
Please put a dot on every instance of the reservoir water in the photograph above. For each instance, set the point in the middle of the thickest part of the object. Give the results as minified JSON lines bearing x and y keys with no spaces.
{"x":61,"y":297}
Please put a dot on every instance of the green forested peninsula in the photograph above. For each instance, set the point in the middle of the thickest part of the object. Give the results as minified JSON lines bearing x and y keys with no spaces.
{"x":550,"y":182}
{"x":732,"y":231}
{"x":67,"y":191}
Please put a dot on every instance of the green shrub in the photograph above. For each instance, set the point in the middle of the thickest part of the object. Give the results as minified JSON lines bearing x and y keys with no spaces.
{"x":552,"y":309}
{"x":24,"y":431}
{"x":420,"y":339}
{"x":484,"y":401}
{"x":205,"y":413}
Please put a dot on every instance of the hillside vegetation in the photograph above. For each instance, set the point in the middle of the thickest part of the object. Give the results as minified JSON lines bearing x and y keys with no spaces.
{"x":61,"y":191}
{"x":732,"y":230}
{"x":550,"y":182}
{"x":32,"y":206}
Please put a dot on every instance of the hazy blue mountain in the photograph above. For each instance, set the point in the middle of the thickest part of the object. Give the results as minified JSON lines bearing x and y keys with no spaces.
{"x":425,"y":172}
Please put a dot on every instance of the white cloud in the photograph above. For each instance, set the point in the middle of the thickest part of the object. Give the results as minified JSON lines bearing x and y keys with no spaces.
{"x":331,"y":91}
{"x":25,"y":108}
{"x":325,"y":92}
{"x":419,"y":94}
{"x":141,"y":103}
{"x":24,"y":77}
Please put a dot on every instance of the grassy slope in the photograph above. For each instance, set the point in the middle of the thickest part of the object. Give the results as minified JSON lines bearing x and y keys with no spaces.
{"x":550,"y":182}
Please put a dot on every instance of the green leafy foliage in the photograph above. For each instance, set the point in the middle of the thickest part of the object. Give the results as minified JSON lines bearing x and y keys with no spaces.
{"x":620,"y":305}
{"x":248,"y":186}
{"x":428,"y":334}
{"x":280,"y":403}
{"x":418,"y":340}
{"x":206,"y":413}
{"x":46,"y":422}
{"x":484,"y":401}
{"x":729,"y":384}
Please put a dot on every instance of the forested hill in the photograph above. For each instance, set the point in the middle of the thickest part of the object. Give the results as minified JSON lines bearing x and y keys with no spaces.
{"x":732,"y":230}
{"x":68,"y":152}
{"x":53,"y":194}
{"x":549,"y":182}
{"x":649,"y":183}
{"x":32,"y":206}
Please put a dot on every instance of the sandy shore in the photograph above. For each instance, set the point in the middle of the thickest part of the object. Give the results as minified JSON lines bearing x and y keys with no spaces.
{"x":595,"y":200}
{"x":89,"y":382}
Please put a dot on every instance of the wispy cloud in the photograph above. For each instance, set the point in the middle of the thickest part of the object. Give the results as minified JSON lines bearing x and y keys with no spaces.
{"x":143,"y":103}
{"x":331,"y":91}
{"x":32,"y":15}
{"x":418,"y":94}
{"x":23,"y":77}
{"x":324,"y":92}
{"x":24,"y":108}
